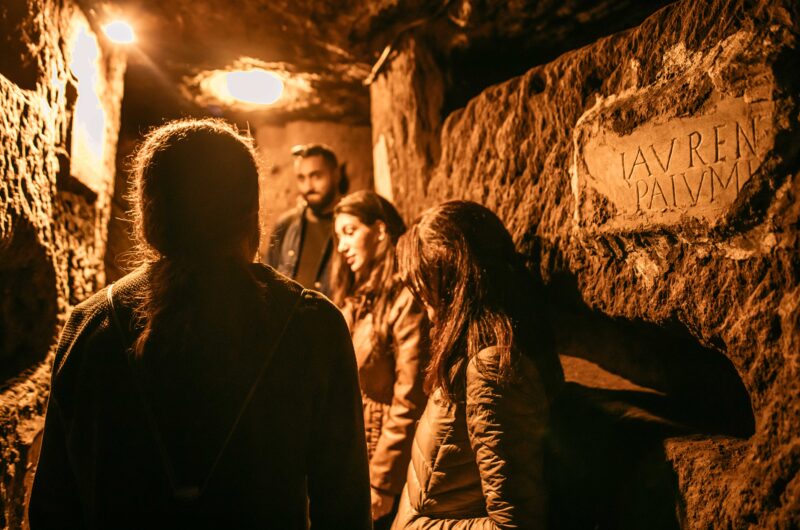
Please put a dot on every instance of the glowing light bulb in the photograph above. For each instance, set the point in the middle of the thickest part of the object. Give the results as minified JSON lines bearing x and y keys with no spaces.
{"x":88,"y":156}
{"x":254,"y":86}
{"x":120,"y":32}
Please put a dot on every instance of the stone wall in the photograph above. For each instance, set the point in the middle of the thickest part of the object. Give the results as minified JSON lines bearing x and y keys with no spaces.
{"x":406,"y":120}
{"x":60,"y":93}
{"x":653,"y":178}
{"x":351,"y":143}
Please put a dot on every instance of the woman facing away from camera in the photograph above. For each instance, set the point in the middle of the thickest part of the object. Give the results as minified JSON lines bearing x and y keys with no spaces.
{"x":202,"y":390}
{"x":477,"y":458}
{"x":390,"y":332}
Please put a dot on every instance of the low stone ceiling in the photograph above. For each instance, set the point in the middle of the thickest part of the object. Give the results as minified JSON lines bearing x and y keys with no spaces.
{"x":336,"y":43}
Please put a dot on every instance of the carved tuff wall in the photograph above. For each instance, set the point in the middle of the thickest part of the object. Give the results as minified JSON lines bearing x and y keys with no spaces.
{"x":656,"y":173}
{"x":60,"y":92}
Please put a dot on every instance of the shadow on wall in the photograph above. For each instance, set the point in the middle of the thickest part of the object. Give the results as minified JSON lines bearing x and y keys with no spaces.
{"x":28,"y":302}
{"x":17,"y":31}
{"x":606,"y":464}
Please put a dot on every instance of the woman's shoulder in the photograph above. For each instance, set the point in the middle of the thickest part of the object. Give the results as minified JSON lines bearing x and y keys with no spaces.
{"x":89,"y":331}
{"x":488,"y":357}
{"x":90,"y":313}
{"x":485,"y":365}
{"x":405,"y":298}
{"x":85,"y":318}
{"x":282,"y":292}
{"x":405,"y":305}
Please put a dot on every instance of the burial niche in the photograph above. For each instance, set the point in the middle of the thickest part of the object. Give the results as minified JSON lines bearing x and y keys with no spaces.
{"x":18,"y":35}
{"x":28,"y":302}
{"x":607,"y":467}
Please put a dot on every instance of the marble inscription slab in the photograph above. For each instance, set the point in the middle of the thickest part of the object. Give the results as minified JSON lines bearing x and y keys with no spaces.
{"x":690,"y":166}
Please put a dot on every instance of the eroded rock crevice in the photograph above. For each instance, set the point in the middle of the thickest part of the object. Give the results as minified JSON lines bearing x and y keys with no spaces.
{"x":29,"y":315}
{"x":52,"y":213}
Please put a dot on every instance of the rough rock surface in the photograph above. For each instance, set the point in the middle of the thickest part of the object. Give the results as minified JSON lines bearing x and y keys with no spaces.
{"x":409,"y":137}
{"x":326,"y":48}
{"x":53,"y":212}
{"x":729,"y":280}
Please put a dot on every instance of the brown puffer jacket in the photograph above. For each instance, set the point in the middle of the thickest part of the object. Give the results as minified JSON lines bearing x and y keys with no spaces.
{"x":391,"y":380}
{"x":478,"y":464}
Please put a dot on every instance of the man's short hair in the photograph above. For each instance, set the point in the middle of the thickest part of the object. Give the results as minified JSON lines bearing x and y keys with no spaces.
{"x":307,"y":150}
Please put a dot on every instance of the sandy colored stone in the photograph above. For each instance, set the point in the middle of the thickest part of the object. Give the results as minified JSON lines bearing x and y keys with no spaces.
{"x":691,"y":166}
{"x":53,"y":216}
{"x":724,"y":275}
{"x":406,"y":114}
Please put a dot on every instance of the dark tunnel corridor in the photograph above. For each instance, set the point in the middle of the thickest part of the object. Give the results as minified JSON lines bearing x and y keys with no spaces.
{"x":606,"y":463}
{"x":640,"y":157}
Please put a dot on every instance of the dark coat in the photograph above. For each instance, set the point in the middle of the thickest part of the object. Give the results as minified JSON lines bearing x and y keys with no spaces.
{"x":297,"y":453}
{"x":477,"y":464}
{"x":285,"y":244}
{"x":392,"y":380}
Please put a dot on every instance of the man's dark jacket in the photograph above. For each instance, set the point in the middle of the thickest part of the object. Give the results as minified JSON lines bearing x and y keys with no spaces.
{"x":298,"y":452}
{"x":285,"y":244}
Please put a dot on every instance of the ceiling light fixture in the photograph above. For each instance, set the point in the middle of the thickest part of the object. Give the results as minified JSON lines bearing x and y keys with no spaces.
{"x":256,"y":85}
{"x":120,"y":32}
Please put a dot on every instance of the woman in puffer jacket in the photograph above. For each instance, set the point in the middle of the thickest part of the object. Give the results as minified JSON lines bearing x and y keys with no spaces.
{"x":477,"y":455}
{"x":390,"y":337}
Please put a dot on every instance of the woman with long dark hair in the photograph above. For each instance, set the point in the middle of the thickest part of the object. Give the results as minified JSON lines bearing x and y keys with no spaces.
{"x":202,"y":390}
{"x":493,"y":372}
{"x":389,"y":330}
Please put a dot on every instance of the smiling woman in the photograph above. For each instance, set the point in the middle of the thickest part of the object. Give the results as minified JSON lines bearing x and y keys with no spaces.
{"x":389,"y":331}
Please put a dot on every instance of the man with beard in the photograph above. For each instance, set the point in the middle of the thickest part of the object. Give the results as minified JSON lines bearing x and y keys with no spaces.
{"x":302,"y":242}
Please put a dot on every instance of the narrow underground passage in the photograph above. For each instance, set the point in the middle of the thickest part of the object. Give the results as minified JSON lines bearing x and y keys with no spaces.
{"x":631,"y":386}
{"x":386,"y":87}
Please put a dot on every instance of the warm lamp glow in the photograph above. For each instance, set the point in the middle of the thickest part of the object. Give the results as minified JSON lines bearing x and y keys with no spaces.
{"x":254,"y":86}
{"x":250,"y":85}
{"x":89,"y":118}
{"x":120,"y":32}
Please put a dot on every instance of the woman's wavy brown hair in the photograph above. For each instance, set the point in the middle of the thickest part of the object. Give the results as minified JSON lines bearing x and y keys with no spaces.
{"x":195,"y":210}
{"x":375,"y":290}
{"x":459,"y":259}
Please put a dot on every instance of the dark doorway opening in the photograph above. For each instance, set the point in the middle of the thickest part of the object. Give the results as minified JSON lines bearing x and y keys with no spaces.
{"x":632,"y":385}
{"x":28,"y":303}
